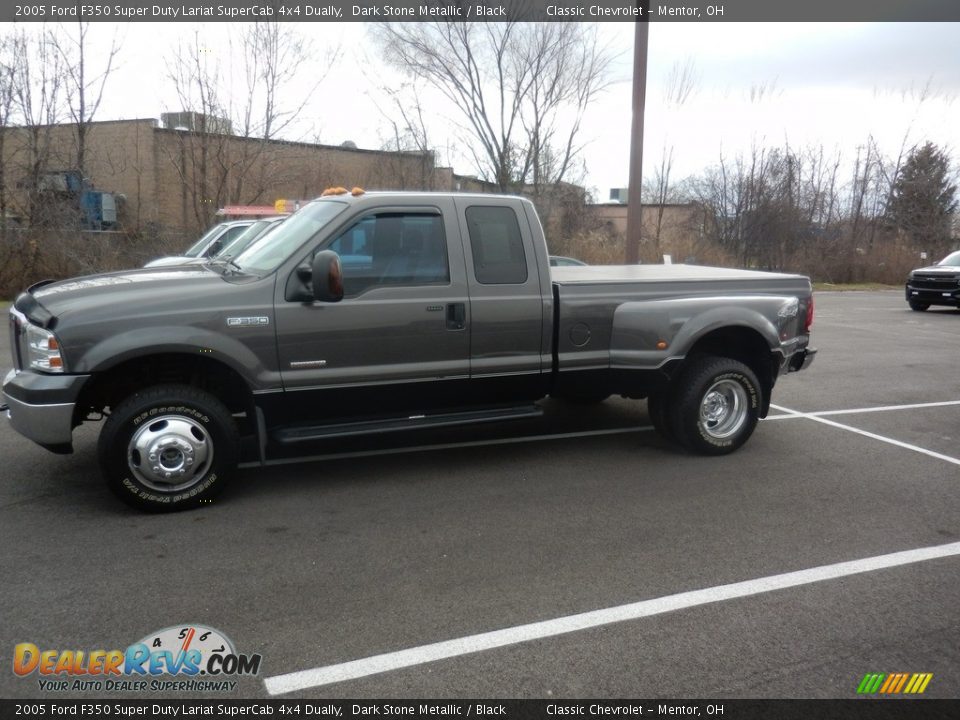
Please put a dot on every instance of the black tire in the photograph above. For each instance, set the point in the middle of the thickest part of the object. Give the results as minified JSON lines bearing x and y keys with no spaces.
{"x":918,"y":306}
{"x":657,"y":409}
{"x":195,"y":444}
{"x":715,"y":406}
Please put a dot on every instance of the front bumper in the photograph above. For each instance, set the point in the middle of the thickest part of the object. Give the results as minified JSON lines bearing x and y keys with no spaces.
{"x":802,"y":359}
{"x":934,"y":296}
{"x":40,"y":407}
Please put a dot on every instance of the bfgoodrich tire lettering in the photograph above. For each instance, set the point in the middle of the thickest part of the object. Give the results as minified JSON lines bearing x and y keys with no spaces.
{"x":716,"y":405}
{"x":168,"y":447}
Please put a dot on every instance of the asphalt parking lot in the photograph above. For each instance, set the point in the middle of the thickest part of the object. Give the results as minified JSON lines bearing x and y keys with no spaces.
{"x":572,"y":557}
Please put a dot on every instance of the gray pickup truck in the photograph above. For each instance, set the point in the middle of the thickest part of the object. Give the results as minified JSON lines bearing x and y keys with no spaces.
{"x":381,"y":312}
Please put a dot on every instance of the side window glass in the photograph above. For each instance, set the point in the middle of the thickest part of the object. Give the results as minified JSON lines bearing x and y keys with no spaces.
{"x":497,"y":246}
{"x":392,"y":249}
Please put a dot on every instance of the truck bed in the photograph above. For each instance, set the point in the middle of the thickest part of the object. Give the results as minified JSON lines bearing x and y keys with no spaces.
{"x":580,"y":274}
{"x":613,"y":316}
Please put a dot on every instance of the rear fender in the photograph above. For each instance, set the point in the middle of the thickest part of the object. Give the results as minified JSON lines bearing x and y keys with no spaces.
{"x":646,"y":335}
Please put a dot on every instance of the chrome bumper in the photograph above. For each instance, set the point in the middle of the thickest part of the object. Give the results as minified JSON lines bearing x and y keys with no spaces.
{"x":47,"y":424}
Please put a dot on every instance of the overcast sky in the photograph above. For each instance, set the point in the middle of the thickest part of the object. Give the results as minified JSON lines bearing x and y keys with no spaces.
{"x":829,"y":84}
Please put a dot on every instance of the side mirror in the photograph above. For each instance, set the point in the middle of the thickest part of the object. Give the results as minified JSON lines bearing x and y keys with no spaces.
{"x":327,"y":277}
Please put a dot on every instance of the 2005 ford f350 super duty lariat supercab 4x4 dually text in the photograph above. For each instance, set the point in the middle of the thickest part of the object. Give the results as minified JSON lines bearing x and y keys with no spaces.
{"x":378,"y":312}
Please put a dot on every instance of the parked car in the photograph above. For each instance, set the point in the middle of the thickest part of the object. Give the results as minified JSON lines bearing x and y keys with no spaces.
{"x":260,"y":228}
{"x":253,"y":233}
{"x":935,"y":284}
{"x":212,"y":242}
{"x":370,"y":313}
{"x":561,"y":261}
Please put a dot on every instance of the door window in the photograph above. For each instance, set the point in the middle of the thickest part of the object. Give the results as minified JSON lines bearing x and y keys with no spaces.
{"x":497,"y":246}
{"x":392,"y":249}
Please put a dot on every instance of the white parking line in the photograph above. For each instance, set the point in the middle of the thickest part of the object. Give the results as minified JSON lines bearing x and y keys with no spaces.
{"x":865,"y":433}
{"x":316,"y":677}
{"x":915,"y":406}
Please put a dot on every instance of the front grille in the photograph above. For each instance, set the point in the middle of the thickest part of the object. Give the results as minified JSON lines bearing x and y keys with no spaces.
{"x":935,"y":282}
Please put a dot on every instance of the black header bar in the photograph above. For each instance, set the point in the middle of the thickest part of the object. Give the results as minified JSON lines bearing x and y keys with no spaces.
{"x":859,"y":709}
{"x":485,"y":10}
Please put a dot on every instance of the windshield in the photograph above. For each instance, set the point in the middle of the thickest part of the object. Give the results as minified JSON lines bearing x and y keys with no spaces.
{"x":951,"y":259}
{"x":195,"y":249}
{"x":239,"y":243}
{"x":272,"y":248}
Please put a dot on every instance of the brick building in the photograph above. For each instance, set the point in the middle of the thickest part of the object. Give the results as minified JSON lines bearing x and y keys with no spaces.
{"x":675,"y":229}
{"x":174,"y":180}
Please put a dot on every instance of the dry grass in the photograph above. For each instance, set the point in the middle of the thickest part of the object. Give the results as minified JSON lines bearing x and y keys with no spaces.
{"x":845,"y":287}
{"x":29,"y":256}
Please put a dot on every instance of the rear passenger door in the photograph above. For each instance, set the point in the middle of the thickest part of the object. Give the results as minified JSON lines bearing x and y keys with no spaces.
{"x":507,"y":302}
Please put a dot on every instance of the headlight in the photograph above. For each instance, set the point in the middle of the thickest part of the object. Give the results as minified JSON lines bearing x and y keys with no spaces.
{"x":43,"y":350}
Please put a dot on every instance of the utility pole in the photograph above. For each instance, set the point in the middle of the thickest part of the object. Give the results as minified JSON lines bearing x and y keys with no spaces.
{"x":640,"y":42}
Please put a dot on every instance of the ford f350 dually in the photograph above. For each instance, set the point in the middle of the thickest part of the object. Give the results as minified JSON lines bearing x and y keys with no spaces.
{"x":382,"y":312}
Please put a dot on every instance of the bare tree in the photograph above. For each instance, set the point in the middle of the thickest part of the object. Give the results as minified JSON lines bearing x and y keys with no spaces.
{"x":239,"y":107}
{"x":518,"y":91}
{"x":39,"y":78}
{"x":658,"y":191}
{"x":196,"y":77}
{"x":408,"y":133}
{"x":681,"y":82}
{"x":83,"y":85}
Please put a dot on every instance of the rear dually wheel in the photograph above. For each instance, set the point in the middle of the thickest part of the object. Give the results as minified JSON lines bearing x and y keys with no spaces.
{"x":716,"y":405}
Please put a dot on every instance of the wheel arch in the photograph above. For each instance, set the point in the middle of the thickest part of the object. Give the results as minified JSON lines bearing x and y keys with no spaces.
{"x":111,"y":385}
{"x":746,"y":345}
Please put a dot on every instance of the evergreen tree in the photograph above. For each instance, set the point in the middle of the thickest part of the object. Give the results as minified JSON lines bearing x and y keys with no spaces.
{"x":924,"y":199}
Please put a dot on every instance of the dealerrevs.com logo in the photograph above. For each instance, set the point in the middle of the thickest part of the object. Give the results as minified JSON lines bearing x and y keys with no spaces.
{"x":185,"y":658}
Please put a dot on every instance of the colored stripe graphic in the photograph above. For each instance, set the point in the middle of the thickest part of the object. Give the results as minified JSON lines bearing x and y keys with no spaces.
{"x":918,"y":683}
{"x":894,"y":683}
{"x":870,"y":683}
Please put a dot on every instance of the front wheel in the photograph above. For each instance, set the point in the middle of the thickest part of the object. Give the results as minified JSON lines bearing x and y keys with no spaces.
{"x":168,"y":447}
{"x":716,"y":406}
{"x":918,"y":306}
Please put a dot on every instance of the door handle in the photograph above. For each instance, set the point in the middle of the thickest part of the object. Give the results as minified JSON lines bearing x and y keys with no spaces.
{"x":456,"y":316}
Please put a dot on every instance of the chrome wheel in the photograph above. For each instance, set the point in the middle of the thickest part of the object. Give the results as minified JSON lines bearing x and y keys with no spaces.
{"x":170,"y":453}
{"x":723,"y":410}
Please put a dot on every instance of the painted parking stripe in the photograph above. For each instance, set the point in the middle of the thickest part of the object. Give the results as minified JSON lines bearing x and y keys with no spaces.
{"x":354,"y":669}
{"x":874,"y":436}
{"x":856,"y":411}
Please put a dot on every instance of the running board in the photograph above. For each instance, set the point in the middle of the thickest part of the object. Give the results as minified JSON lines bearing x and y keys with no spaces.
{"x":290,"y":435}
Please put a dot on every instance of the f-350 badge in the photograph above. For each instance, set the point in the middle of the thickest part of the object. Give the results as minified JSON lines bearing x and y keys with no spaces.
{"x":248,"y":321}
